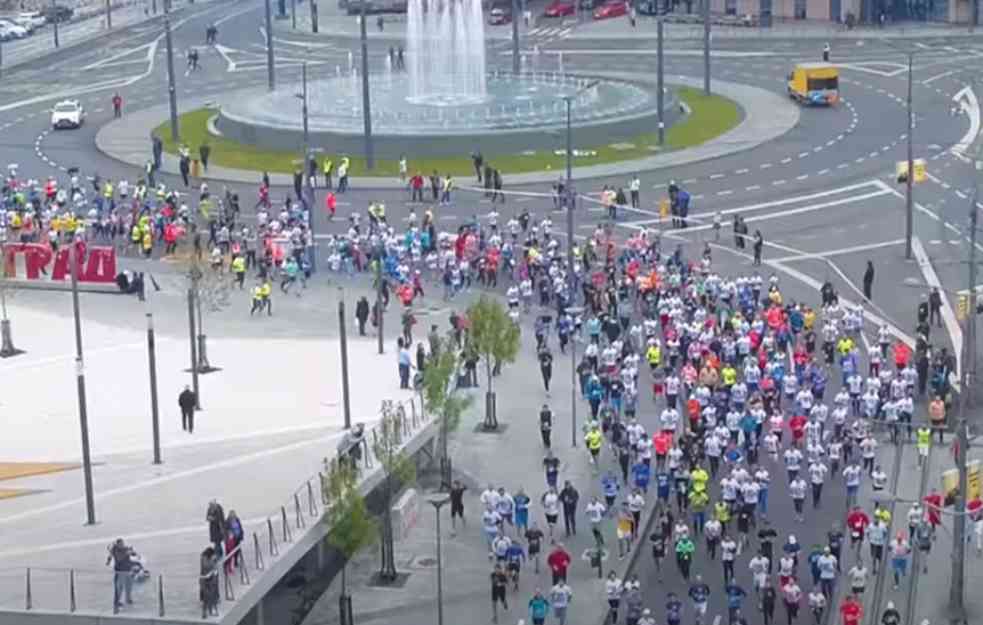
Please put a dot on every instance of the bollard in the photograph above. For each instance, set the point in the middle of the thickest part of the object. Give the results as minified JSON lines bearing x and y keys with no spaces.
{"x":260,"y":565}
{"x":160,"y":595}
{"x":71,"y":590}
{"x":286,"y":526}
{"x":274,"y":551}
{"x":298,"y":515}
{"x":312,"y":507}
{"x":28,"y":594}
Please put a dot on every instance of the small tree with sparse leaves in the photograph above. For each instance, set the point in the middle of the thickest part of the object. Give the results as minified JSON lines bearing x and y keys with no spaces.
{"x":387,"y":446}
{"x":350,"y":525}
{"x":439,"y":385}
{"x":495,"y":338}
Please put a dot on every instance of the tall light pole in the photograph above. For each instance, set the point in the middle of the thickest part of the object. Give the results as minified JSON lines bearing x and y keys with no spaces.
{"x":516,"y":65}
{"x":706,"y":47}
{"x":194,"y":344}
{"x":271,"y":79}
{"x":171,"y":86}
{"x":109,"y":14}
{"x":909,"y":199}
{"x":152,"y":362}
{"x":343,"y":332}
{"x":90,"y":504}
{"x":659,"y":96}
{"x":293,"y":14}
{"x":571,"y":274}
{"x":313,"y":5}
{"x":366,"y":107}
{"x":54,"y":22}
{"x":438,"y":503}
{"x":957,"y":607}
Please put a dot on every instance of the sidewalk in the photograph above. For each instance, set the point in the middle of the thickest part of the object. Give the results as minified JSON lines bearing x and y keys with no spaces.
{"x":269,"y":418}
{"x":510,"y":459}
{"x":125,"y":14}
{"x":767,"y":116}
{"x":618,"y":29}
{"x":932,"y":595}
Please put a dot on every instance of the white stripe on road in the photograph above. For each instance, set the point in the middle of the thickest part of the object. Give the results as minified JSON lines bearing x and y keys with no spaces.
{"x":938,"y":76}
{"x":839,"y":252}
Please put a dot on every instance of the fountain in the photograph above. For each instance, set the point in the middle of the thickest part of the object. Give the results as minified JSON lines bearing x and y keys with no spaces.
{"x":447,"y":102}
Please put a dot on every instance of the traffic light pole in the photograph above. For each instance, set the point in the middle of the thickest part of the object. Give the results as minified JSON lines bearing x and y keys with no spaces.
{"x":957,"y":587}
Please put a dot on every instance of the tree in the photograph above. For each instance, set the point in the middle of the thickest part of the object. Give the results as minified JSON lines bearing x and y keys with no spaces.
{"x":495,"y":338}
{"x":350,"y":525}
{"x":439,"y":385}
{"x":208,"y":288}
{"x":387,"y":446}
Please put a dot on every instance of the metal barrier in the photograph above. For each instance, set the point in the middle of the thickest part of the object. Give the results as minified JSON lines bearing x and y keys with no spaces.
{"x":71,"y":590}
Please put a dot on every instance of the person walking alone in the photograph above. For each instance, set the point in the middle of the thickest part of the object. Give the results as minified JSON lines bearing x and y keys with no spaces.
{"x":869,"y":280}
{"x":187,"y":400}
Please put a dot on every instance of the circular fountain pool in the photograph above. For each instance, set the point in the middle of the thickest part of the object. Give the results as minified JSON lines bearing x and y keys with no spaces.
{"x":509,"y":117}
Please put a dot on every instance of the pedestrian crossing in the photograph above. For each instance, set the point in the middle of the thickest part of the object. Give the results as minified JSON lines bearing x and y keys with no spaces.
{"x":557,"y":32}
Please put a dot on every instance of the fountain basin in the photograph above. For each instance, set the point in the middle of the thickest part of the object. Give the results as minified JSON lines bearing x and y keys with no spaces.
{"x":512,"y":116}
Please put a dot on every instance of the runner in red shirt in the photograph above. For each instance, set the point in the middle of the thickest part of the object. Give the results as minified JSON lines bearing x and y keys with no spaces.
{"x":857,"y":521}
{"x":798,"y":426}
{"x":933,"y":506}
{"x":558,"y":562}
{"x":851,"y":611}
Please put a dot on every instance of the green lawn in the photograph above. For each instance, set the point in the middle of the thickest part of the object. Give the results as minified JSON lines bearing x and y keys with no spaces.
{"x":711,"y":116}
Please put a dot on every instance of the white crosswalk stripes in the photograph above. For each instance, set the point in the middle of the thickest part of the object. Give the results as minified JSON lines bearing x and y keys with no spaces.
{"x":550,"y":32}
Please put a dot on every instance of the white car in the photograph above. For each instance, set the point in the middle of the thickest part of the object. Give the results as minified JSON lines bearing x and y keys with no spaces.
{"x":35,"y":18}
{"x":15,"y":31}
{"x":67,"y":114}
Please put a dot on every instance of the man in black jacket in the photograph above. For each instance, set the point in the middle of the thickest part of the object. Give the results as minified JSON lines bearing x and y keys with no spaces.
{"x":187,"y":401}
{"x":362,"y":314}
{"x":935,"y":307}
{"x":569,"y":497}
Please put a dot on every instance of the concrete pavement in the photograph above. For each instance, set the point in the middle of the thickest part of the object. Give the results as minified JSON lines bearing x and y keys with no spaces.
{"x":271,"y":415}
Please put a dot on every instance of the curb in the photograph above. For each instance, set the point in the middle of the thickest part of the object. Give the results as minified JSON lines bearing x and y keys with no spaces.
{"x":766,"y":117}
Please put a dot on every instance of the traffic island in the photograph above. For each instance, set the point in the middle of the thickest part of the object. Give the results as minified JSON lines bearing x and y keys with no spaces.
{"x":700,"y":118}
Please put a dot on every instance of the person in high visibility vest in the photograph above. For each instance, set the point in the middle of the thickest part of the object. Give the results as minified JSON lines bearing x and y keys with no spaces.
{"x":594,"y":439}
{"x":446,"y":188}
{"x":148,"y":243}
{"x":136,"y":235}
{"x":267,"y":293}
{"x":923,"y":442}
{"x":327,"y":168}
{"x":257,"y":299}
{"x":239,"y":269}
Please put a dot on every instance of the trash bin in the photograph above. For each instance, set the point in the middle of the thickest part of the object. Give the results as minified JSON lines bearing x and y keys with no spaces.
{"x":195,"y":168}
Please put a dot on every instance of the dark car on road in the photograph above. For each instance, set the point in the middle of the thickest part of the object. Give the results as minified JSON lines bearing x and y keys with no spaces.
{"x":58,"y":13}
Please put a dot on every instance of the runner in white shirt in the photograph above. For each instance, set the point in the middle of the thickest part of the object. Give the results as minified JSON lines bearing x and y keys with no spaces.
{"x":797,"y":489}
{"x":817,"y":476}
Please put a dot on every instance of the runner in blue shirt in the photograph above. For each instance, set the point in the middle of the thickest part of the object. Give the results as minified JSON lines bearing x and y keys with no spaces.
{"x":674,"y":609}
{"x":641,"y":473}
{"x":514,"y":557}
{"x":662,"y":488}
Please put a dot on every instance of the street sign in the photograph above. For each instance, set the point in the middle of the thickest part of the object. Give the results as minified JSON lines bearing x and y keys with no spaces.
{"x":962,"y":310}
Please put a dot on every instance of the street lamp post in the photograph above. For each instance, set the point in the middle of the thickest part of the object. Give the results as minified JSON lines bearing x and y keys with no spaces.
{"x":957,"y":607}
{"x":152,"y":362}
{"x":343,"y":332}
{"x":438,"y":503}
{"x":109,"y":14}
{"x":194,"y":345}
{"x":909,"y":199}
{"x":516,"y":65}
{"x":90,"y":504}
{"x":366,"y":106}
{"x":271,"y":79}
{"x":54,"y":24}
{"x":706,"y":47}
{"x":313,"y":5}
{"x":659,"y":97}
{"x":293,"y":14}
{"x":171,"y":86}
{"x":571,"y":206}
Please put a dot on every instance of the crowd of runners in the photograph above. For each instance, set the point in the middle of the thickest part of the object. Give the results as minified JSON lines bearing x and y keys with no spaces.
{"x":709,"y":392}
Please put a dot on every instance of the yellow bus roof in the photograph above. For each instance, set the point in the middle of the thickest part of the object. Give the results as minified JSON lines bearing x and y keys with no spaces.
{"x":817,"y":66}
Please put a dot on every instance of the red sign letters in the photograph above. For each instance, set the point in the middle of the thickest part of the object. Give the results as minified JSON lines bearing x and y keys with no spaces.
{"x":95,"y":264}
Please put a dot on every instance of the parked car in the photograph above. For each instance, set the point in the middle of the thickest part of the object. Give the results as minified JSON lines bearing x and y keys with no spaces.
{"x":36,"y":18}
{"x":58,"y":13}
{"x":652,"y":7}
{"x":15,"y":31}
{"x":67,"y":114}
{"x":611,"y":8}
{"x":559,"y":8}
{"x":499,"y":15}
